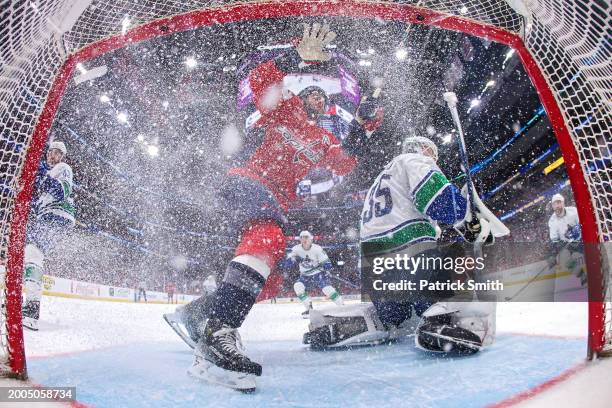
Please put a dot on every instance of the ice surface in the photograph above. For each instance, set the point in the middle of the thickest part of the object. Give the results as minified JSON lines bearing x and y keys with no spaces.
{"x":135,"y":359}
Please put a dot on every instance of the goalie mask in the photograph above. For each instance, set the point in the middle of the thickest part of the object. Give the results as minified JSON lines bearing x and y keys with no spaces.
{"x":420,"y":145}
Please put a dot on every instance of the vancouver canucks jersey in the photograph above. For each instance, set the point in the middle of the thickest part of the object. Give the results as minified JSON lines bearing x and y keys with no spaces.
{"x":58,"y":199}
{"x":406,"y":201}
{"x":311,"y":261}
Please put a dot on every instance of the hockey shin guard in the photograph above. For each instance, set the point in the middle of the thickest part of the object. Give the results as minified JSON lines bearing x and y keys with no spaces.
{"x":261,"y":245}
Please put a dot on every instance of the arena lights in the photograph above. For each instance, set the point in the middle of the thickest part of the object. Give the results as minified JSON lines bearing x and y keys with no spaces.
{"x":463,"y":10}
{"x":122,"y":117}
{"x":474,"y":103}
{"x":447,"y":138}
{"x":81,"y":68}
{"x":153,"y":150}
{"x":365,"y":63}
{"x":401,"y":54}
{"x":554,"y":165}
{"x":509,"y":55}
{"x":165,"y":104}
{"x":191,"y":62}
{"x":140,"y":138}
{"x":104,"y":98}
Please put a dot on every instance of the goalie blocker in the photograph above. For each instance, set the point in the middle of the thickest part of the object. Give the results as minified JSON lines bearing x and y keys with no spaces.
{"x":454,"y":328}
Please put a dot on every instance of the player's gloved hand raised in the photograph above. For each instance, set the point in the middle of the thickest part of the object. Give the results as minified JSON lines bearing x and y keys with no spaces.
{"x":472,"y":229}
{"x":313,"y":42}
{"x":478,"y":230}
{"x":370,"y":114}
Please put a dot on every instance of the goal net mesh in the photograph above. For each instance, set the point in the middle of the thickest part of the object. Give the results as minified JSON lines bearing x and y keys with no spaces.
{"x":568,"y":40}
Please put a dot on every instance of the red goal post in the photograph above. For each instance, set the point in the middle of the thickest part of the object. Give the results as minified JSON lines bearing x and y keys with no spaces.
{"x":562,"y":47}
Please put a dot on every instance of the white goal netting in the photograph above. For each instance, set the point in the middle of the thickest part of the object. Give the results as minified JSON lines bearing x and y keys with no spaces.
{"x":568,"y":40}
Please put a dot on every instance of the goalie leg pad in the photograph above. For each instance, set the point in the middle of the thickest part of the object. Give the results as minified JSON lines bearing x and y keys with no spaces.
{"x":457,"y":328}
{"x":345,"y":327}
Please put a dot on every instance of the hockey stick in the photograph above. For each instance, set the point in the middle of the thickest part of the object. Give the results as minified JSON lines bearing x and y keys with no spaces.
{"x":352,"y":285}
{"x":509,"y":298}
{"x":451,"y":101}
{"x":330,"y":274}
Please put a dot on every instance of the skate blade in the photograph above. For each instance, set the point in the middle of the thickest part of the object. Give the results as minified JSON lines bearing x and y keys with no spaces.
{"x":29,"y":325}
{"x":212,"y":374}
{"x":171,"y":319}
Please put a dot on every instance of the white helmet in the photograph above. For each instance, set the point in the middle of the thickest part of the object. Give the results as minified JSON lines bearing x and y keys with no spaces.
{"x":306,"y":234}
{"x":59,"y":146}
{"x":557,"y":197}
{"x":418,"y":144}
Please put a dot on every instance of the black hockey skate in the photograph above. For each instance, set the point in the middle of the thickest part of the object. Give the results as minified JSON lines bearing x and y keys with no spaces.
{"x":220,"y":359}
{"x":31,"y":313}
{"x":186,"y":319}
{"x":306,"y":313}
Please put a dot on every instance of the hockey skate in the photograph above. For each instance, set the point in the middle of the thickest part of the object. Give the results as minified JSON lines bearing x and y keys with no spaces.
{"x":220,"y":359}
{"x":306,"y":313}
{"x":175,"y":321}
{"x":30,"y":313}
{"x":30,"y":323}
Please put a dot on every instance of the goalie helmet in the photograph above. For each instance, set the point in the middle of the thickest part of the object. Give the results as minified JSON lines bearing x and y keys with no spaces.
{"x":418,"y":145}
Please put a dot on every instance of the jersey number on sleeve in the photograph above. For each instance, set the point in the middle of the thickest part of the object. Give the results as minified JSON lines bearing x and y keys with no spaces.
{"x":379,"y":202}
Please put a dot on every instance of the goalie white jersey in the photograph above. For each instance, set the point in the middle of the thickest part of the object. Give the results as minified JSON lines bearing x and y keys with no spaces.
{"x":49,"y":203}
{"x":406,"y":201}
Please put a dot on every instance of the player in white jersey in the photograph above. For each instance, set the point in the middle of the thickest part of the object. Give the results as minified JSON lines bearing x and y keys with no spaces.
{"x":563,"y":224}
{"x":314,"y":267}
{"x":51,"y":218}
{"x":567,"y":250}
{"x":401,"y":212}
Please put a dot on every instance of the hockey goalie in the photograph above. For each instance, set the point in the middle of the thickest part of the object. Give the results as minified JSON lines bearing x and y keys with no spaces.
{"x":401,"y":214}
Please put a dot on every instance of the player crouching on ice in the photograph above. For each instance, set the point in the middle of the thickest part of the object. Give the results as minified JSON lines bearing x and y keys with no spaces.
{"x":52,"y":217}
{"x":314,"y":267}
{"x":254,"y":202}
{"x":401,"y":212}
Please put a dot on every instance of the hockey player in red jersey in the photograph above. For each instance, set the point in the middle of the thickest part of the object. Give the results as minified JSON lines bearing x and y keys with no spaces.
{"x":254,"y":202}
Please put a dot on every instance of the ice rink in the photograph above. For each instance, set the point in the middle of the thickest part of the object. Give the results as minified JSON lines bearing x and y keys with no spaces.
{"x":124,"y":355}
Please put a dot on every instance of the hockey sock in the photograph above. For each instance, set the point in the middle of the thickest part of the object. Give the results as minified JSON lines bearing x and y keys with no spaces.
{"x":237,"y":294}
{"x":262,"y":244}
{"x":300,"y":291}
{"x":333,"y":295}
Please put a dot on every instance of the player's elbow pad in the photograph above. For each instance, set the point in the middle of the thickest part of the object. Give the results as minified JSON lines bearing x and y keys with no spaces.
{"x":448,"y":207}
{"x":53,"y":187}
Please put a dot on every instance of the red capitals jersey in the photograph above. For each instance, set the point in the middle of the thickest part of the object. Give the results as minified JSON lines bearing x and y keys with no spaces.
{"x":292,"y":145}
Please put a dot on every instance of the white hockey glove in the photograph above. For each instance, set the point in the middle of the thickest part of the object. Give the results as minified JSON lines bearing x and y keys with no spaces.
{"x":313,"y":42}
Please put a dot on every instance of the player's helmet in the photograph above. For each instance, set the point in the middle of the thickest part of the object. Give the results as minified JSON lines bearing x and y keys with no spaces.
{"x":557,"y":197}
{"x":304,"y":93}
{"x":418,"y":144}
{"x":306,"y":234}
{"x":59,"y":146}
